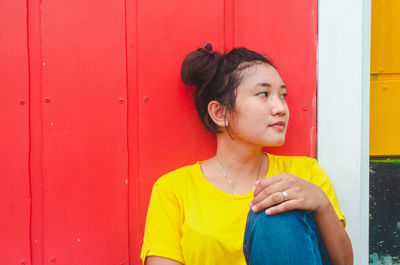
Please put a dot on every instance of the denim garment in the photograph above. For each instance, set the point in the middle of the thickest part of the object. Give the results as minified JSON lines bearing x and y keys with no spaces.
{"x":290,"y":238}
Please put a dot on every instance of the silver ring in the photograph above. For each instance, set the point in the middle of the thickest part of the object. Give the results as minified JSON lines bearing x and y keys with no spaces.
{"x":285,"y":196}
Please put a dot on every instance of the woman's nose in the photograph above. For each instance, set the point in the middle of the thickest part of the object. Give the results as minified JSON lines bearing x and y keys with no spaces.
{"x":278,"y":106}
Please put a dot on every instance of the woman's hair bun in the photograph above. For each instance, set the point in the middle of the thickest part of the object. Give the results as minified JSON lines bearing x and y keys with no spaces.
{"x":208,"y":46}
{"x":200,"y":66}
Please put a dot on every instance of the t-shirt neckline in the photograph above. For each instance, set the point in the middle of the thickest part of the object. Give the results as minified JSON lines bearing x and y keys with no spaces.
{"x":232,"y":196}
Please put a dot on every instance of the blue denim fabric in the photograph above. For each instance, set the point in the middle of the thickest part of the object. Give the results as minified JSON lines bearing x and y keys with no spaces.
{"x":290,"y":238}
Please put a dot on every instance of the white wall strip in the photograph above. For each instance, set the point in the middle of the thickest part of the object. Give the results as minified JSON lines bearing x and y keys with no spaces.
{"x":343,"y":110}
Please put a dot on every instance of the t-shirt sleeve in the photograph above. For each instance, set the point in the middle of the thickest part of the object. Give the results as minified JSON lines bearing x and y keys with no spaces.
{"x":162,"y":236}
{"x":320,"y":178}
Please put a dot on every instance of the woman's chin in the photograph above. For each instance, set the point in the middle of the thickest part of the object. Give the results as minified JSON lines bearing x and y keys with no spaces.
{"x":276,"y":143}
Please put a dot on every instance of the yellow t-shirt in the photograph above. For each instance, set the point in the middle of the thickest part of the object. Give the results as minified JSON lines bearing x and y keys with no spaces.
{"x":190,"y":221}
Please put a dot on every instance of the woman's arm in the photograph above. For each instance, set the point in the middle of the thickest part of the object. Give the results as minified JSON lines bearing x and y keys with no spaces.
{"x":162,"y":239}
{"x":153,"y":260}
{"x":336,"y":241}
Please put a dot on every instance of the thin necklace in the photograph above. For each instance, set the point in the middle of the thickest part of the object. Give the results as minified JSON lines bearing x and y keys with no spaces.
{"x":235,"y":192}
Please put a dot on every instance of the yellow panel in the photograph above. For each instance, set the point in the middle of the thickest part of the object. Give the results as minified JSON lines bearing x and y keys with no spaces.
{"x":385,"y":118}
{"x":385,"y":36}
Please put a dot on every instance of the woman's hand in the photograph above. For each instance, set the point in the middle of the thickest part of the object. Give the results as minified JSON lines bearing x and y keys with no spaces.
{"x":301,"y":195}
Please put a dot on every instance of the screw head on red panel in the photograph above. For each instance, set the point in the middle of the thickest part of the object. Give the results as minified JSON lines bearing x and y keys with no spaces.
{"x":304,"y":107}
{"x":22,"y":102}
{"x":121,"y":100}
{"x":47,"y":100}
{"x":53,"y":260}
{"x":146,"y":99}
{"x":23,"y":262}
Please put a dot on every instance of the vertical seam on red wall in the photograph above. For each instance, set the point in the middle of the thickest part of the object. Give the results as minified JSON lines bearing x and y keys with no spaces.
{"x":127,"y":134}
{"x":228,"y":25}
{"x":133,"y":126}
{"x":233,"y":23}
{"x":137,"y":107}
{"x":314,"y":132}
{"x":29,"y":132}
{"x":34,"y":29}
{"x":41,"y":129}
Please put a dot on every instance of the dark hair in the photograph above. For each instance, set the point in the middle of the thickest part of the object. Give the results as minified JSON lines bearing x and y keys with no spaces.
{"x":216,"y":76}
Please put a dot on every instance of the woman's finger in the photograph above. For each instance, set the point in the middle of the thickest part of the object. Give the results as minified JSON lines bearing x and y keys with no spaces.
{"x":268,"y":191}
{"x":284,"y":207}
{"x":263,"y":183}
{"x":272,"y":200}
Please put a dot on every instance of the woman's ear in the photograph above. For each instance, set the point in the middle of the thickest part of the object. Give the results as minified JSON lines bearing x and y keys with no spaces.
{"x":217,"y":113}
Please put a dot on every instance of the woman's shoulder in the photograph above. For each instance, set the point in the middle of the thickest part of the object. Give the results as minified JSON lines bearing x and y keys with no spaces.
{"x":305,"y":167}
{"x":178,"y":176}
{"x":301,"y":166}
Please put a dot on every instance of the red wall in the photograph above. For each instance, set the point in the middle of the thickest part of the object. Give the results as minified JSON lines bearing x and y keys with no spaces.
{"x":14,"y":135}
{"x":105,"y":113}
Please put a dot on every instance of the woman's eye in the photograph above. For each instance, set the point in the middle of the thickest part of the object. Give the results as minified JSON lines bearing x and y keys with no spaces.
{"x":283,"y":96}
{"x":264,"y":94}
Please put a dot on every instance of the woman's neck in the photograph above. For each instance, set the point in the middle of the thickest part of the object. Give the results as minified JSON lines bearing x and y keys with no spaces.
{"x":238,"y":158}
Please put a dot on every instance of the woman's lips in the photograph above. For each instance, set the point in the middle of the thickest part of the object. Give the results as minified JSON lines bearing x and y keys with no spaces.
{"x":278,"y":125}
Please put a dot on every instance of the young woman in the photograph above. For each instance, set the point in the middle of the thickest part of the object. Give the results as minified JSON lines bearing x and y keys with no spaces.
{"x":242,"y":205}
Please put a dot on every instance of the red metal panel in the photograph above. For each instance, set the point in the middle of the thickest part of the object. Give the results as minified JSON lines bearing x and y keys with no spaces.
{"x":169,"y":133}
{"x":84,"y":188}
{"x":287,"y":31}
{"x":14,"y":134}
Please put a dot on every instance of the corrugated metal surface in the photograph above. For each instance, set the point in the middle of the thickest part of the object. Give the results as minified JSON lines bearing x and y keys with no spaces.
{"x":107,"y":113}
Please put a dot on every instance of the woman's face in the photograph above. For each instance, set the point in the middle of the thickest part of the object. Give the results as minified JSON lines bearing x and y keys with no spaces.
{"x":261,"y":114}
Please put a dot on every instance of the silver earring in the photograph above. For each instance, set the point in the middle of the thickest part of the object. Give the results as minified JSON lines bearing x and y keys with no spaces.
{"x":226,"y":123}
